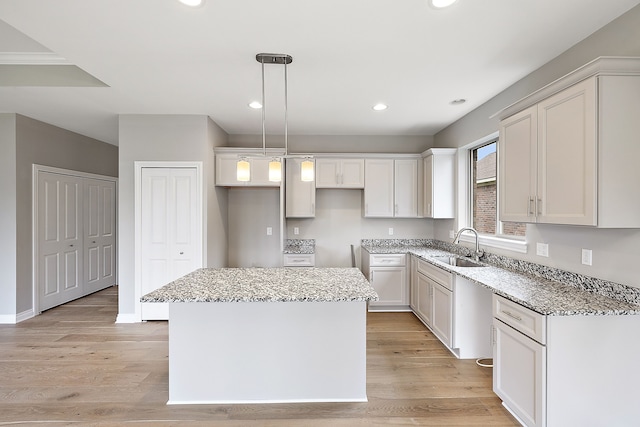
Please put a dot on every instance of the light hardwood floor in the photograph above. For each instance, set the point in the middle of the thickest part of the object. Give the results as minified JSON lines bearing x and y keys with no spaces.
{"x":74,"y":365}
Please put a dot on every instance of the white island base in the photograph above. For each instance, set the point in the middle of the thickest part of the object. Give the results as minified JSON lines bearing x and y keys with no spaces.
{"x":267,"y":352}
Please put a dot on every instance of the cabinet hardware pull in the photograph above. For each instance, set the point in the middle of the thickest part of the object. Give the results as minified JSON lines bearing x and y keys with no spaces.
{"x":530,"y":206}
{"x":71,"y":246}
{"x":513,"y":316}
{"x":93,"y":241}
{"x":181,"y":253}
{"x":539,"y":206}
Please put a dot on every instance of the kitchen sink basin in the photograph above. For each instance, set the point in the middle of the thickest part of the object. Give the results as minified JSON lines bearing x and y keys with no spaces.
{"x":457,"y":261}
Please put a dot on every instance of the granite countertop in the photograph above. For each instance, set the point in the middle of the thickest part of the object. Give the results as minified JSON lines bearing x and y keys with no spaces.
{"x":299,"y":246}
{"x":266,"y":285}
{"x":542,"y":294}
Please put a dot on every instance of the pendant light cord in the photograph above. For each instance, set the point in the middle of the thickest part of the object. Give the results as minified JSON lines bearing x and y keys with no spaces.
{"x":264,"y":138}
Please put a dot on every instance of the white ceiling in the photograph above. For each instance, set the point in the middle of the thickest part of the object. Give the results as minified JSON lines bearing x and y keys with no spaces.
{"x":161,"y":57}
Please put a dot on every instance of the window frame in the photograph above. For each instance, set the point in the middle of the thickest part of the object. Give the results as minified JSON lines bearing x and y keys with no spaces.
{"x":465,"y":203}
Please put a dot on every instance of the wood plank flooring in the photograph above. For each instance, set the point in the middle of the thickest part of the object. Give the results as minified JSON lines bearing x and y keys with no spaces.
{"x":73,"y":365}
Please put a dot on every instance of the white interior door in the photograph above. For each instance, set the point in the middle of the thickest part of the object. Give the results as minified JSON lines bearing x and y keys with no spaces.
{"x":99,"y":234}
{"x":60,"y":239}
{"x":171,"y":231}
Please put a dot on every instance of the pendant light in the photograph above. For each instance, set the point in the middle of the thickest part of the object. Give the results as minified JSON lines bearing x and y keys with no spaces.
{"x":275,"y":165}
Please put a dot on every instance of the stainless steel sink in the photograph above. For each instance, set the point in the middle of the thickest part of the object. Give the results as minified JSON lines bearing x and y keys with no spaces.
{"x":457,"y":261}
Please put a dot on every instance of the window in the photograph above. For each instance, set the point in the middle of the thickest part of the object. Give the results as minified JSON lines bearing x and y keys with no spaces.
{"x":484,"y":195}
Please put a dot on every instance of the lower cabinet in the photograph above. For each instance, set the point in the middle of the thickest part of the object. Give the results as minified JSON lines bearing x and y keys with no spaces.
{"x":456,"y":310}
{"x":556,"y":371}
{"x":387,"y":273}
{"x":519,"y":374}
{"x":298,"y":260}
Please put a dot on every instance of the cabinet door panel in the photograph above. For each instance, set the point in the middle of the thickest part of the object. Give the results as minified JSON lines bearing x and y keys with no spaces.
{"x":518,"y":166}
{"x":390,"y":284}
{"x":406,"y":188}
{"x":519,"y":374}
{"x":327,"y":173}
{"x":567,"y":156}
{"x":300,"y":196}
{"x":378,"y":189}
{"x":442,"y":311}
{"x":423,"y":287}
{"x":352,"y":174}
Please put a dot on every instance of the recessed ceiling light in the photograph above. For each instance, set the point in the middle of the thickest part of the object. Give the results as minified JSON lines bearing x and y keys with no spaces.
{"x":439,"y":4}
{"x":458,"y":101}
{"x":192,"y":3}
{"x":380,"y":107}
{"x":255,"y":105}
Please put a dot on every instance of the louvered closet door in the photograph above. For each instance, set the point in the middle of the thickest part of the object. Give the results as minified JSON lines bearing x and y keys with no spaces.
{"x":170,"y":231}
{"x":99,"y":234}
{"x":59,"y":257}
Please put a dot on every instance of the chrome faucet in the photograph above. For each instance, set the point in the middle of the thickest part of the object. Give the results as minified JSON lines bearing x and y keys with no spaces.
{"x":478,"y":253}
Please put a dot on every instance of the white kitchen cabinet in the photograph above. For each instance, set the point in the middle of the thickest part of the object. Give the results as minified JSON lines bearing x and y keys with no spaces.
{"x":391,"y":188}
{"x":378,"y":188}
{"x":568,"y":157}
{"x":405,"y":188}
{"x":519,"y":372}
{"x":226,"y":171}
{"x":439,"y":183}
{"x":387,"y":273}
{"x":456,"y":310}
{"x":339,"y":173}
{"x":299,"y":260}
{"x":548,"y":369}
{"x":300,"y":196}
{"x":442,"y":313}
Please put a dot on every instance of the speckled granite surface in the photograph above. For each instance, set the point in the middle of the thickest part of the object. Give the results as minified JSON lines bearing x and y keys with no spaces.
{"x":543,"y":289}
{"x":266,"y":285}
{"x":299,"y":246}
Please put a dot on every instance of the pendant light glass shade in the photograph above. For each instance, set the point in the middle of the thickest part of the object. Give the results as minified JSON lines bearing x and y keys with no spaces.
{"x":306,"y":170}
{"x":275,"y":170}
{"x":243,"y":170}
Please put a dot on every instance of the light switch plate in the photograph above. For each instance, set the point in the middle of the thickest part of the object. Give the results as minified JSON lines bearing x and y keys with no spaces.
{"x":542,"y":249}
{"x":587,"y":256}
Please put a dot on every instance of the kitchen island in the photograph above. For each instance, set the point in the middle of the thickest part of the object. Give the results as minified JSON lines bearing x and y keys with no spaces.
{"x":255,"y":335}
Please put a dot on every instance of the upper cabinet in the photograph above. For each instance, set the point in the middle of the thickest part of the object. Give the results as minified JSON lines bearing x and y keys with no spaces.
{"x":300,"y":196}
{"x":339,"y":173}
{"x":439,"y":180}
{"x":391,"y":188}
{"x":569,"y":158}
{"x":226,"y":171}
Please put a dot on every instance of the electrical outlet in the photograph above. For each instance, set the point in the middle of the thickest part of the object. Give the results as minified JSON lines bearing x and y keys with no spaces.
{"x":586,"y":256}
{"x":390,"y":231}
{"x":542,"y":249}
{"x":269,"y":231}
{"x":296,"y":230}
{"x":452,"y":234}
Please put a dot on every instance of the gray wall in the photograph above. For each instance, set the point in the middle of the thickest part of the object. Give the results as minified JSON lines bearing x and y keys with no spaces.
{"x":26,"y":142}
{"x":251,"y":211}
{"x":166,"y":138}
{"x":339,"y":223}
{"x":8,"y":217}
{"x":339,"y":143}
{"x":44,"y":144}
{"x":614,"y":251}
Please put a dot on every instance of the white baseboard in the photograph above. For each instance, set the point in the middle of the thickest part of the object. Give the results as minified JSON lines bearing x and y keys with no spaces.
{"x":27,"y":314}
{"x":7,"y":319}
{"x":127,"y":318}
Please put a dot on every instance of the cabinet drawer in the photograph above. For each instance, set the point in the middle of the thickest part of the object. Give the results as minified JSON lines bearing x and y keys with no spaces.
{"x":299,"y":260}
{"x":439,"y":275}
{"x":387,"y":260}
{"x":527,"y":321}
